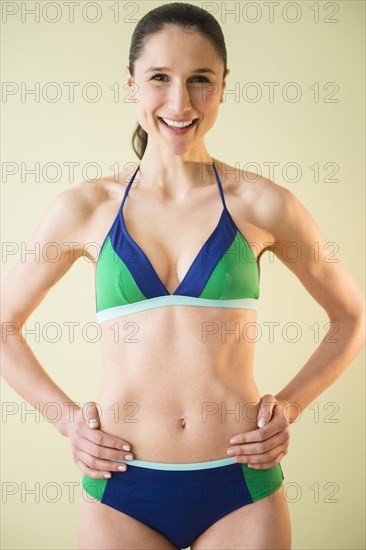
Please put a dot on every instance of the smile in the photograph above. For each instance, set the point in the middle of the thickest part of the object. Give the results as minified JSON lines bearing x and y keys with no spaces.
{"x":176,"y":123}
{"x":177,"y":127}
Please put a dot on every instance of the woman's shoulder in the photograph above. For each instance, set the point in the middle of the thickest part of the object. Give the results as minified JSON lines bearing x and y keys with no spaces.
{"x":72,"y":214}
{"x":85,"y":198}
{"x":254,"y":190}
{"x":259,"y":200}
{"x":240,"y":180}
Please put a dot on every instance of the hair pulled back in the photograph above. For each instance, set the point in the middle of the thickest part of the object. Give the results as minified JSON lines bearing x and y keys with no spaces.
{"x":184,"y":16}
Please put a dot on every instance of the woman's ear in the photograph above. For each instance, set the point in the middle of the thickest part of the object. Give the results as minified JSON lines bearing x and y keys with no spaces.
{"x":129,"y":77}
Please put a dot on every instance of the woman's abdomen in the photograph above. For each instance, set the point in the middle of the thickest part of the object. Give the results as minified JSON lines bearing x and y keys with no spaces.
{"x":176,"y":427}
{"x":174,"y":395}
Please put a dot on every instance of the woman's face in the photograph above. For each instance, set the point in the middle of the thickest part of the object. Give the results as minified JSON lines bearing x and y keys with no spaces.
{"x":177,"y":90}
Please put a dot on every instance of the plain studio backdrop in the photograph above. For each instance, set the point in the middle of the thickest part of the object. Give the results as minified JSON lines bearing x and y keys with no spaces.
{"x":294,"y":112}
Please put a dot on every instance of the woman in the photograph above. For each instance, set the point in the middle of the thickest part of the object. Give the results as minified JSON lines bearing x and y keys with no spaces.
{"x":155,"y":453}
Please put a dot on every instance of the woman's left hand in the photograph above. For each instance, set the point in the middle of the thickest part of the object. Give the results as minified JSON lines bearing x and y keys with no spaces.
{"x":265,"y":446}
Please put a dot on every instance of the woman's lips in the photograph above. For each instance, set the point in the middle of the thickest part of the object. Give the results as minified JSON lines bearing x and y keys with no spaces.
{"x":177,"y":131}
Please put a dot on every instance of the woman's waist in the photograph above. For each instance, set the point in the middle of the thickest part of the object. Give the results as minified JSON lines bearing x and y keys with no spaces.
{"x":160,"y":398}
{"x":168,"y":431}
{"x":184,"y":442}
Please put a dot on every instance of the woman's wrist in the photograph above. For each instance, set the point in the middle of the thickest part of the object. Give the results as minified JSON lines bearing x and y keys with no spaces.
{"x":66,"y":417}
{"x":291,"y":409}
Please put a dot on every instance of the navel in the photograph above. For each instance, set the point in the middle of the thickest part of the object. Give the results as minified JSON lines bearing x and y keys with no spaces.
{"x":182,"y":422}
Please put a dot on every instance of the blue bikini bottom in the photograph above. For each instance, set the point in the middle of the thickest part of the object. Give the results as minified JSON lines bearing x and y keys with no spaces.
{"x":181,"y":501}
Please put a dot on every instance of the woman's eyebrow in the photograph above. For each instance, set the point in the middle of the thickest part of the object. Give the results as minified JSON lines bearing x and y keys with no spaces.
{"x":203,"y":70}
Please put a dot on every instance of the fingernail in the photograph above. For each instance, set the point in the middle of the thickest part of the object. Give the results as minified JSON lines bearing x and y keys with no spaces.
{"x":129,"y":457}
{"x":230,"y":451}
{"x":233,"y":441}
{"x":261,"y":422}
{"x":107,"y":475}
{"x":124,"y":467}
{"x":126,"y":448}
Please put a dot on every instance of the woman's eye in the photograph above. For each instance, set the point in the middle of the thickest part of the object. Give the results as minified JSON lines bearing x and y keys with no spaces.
{"x":202,"y":78}
{"x":156,"y":75}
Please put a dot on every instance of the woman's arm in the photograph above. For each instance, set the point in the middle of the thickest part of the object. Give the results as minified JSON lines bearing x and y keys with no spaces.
{"x":332,"y":286}
{"x":24,"y":287}
{"x":66,"y":225}
{"x":295,"y":234}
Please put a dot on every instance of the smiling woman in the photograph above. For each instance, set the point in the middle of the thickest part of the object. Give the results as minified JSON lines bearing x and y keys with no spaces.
{"x":200,"y":75}
{"x":180,"y":469}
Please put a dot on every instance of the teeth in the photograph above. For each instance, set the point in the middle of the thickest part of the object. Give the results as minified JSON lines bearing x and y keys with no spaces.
{"x":177,"y":124}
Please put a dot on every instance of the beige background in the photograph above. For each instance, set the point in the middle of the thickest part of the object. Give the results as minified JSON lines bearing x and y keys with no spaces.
{"x":324,"y":466}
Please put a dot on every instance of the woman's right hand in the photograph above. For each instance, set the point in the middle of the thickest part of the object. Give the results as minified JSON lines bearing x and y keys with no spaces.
{"x":94,"y":450}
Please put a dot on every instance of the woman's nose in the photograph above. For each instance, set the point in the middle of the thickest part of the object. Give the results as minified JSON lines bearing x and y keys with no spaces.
{"x":179,"y":99}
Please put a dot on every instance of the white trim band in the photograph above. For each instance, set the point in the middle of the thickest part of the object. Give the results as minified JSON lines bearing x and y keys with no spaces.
{"x":173,"y":300}
{"x":181,"y":465}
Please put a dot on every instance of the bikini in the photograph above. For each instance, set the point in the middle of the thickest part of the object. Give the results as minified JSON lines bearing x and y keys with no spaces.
{"x":179,"y":500}
{"x":223,"y":274}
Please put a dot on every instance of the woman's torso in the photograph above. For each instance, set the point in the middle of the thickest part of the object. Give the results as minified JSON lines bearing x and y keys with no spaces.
{"x":178,"y":380}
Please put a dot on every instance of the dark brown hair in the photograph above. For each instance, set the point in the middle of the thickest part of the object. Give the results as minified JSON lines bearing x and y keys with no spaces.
{"x":184,"y":16}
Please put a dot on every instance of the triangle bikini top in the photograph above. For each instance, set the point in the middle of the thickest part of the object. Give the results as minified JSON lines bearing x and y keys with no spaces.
{"x":223,"y":274}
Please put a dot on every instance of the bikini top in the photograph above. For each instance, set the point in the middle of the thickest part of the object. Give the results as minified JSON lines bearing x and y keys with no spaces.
{"x":223,"y":274}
